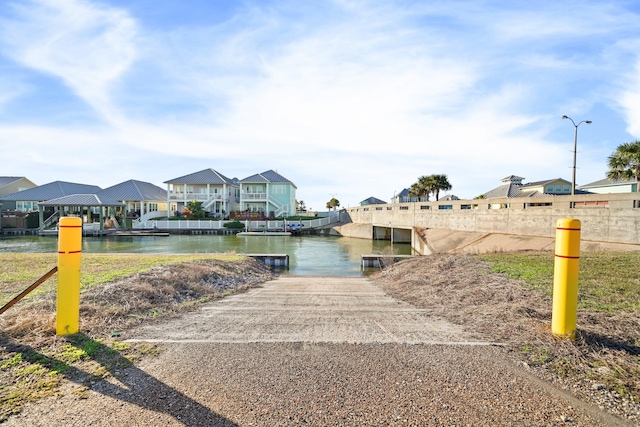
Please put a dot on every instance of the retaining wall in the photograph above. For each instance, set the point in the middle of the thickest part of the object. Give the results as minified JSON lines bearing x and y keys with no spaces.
{"x":605,"y":218}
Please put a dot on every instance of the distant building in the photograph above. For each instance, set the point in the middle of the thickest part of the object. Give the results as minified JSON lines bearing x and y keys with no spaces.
{"x":10,"y":185}
{"x":372,"y":201}
{"x":512,"y":186}
{"x":605,"y":186}
{"x":27,"y":200}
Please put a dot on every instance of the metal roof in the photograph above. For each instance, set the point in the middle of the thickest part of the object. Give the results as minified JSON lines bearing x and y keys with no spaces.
{"x":6,"y":180}
{"x":50,"y":191}
{"x":134,"y":190}
{"x":269,"y":176}
{"x":513,"y":178}
{"x":206,"y":176}
{"x":608,"y":181}
{"x":81,"y":200}
{"x":544,"y":183}
{"x":514,"y":188}
{"x":372,"y":201}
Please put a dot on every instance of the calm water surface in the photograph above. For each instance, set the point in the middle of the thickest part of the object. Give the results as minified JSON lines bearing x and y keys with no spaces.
{"x":308,"y":255}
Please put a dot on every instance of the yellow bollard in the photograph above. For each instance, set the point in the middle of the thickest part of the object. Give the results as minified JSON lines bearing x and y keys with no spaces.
{"x":565,"y":278}
{"x":69,"y":254}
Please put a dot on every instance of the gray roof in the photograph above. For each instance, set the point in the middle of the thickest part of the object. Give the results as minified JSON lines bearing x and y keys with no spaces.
{"x":513,"y":178}
{"x":50,"y":191}
{"x":267,"y":176}
{"x":81,"y":200}
{"x":372,"y":201}
{"x":543,"y":183}
{"x":513,"y":187}
{"x":607,"y":181}
{"x":6,"y":180}
{"x":207,"y":176}
{"x":134,"y":190}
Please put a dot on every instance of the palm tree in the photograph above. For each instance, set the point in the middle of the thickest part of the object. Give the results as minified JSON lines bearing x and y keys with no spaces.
{"x":333,"y":203}
{"x":624,"y":163}
{"x":439,"y":183}
{"x":421,"y":188}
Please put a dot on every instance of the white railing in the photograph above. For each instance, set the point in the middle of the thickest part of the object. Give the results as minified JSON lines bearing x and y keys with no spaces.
{"x":202,"y":224}
{"x":254,"y":196}
{"x":188,"y":196}
{"x":211,"y":200}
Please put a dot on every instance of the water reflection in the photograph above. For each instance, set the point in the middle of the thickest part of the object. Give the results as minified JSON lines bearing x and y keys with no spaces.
{"x":308,"y":255}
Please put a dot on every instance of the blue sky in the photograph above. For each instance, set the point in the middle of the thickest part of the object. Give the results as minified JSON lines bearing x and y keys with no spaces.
{"x":347,"y":98}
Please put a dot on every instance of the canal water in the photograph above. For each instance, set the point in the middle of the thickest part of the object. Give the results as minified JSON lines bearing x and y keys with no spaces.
{"x":308,"y":255}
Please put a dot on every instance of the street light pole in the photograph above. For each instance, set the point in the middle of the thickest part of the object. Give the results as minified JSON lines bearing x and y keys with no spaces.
{"x":575,"y":150}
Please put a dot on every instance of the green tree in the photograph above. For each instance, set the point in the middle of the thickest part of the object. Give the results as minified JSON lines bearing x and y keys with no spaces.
{"x":624,"y":163}
{"x":196,"y":209}
{"x":300,"y":206}
{"x":430,"y":184}
{"x":439,"y":183}
{"x":421,"y":188}
{"x":333,"y":203}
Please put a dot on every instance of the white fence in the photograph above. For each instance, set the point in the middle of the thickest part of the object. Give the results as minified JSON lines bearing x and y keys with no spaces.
{"x":201,"y":224}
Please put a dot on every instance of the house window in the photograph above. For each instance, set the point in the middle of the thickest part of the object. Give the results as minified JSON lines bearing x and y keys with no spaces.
{"x":366,"y":209}
{"x":424,"y":207}
{"x":278,"y":189}
{"x":558,"y":188}
{"x":549,"y":188}
{"x":465,"y":206}
{"x":389,"y":208}
{"x":378,"y":208}
{"x":26,"y":206}
{"x":404,"y":208}
{"x":566,"y":189}
{"x":445,"y":207}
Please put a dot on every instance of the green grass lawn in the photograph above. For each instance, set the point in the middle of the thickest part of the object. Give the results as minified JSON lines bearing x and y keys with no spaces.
{"x":607,"y":281}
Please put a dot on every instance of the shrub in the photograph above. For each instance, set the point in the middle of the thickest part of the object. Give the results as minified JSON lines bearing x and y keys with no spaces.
{"x":235,"y":225}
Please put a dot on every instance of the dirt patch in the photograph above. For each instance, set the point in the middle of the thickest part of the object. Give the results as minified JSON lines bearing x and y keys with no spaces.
{"x":601,"y":365}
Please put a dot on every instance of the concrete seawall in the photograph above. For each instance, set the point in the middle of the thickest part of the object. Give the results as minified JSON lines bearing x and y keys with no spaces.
{"x":609,"y":221}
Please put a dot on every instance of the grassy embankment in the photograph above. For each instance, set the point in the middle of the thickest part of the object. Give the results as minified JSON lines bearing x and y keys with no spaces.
{"x":117,"y":292}
{"x":607,"y":346}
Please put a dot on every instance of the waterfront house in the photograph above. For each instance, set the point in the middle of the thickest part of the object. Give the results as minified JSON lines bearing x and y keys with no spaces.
{"x":142,"y":199}
{"x":27,"y":200}
{"x":13,"y":184}
{"x":605,"y":186}
{"x":217,"y":193}
{"x":267,"y":194}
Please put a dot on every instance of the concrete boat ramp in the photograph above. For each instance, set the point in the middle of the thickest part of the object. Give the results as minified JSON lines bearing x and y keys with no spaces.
{"x":309,"y":309}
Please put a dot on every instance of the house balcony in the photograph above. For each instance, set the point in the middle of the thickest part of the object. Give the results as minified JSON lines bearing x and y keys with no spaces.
{"x":254,"y":196}
{"x":195,"y":196}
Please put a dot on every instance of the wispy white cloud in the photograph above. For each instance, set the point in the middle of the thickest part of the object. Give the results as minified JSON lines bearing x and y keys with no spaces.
{"x":87,"y":45}
{"x":630,"y":100}
{"x":357,"y":98}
